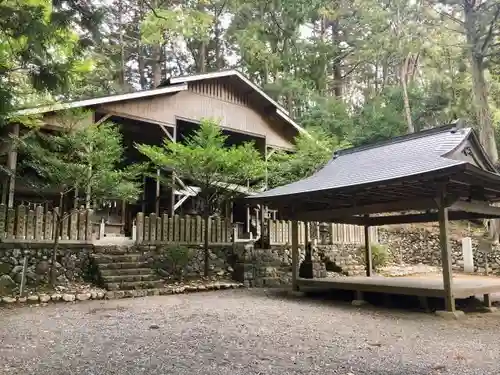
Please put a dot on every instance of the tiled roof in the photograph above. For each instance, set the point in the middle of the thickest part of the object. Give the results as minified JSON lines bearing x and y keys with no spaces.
{"x":399,"y":157}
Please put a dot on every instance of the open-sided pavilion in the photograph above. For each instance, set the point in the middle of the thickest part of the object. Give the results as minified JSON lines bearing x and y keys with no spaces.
{"x":439,"y":175}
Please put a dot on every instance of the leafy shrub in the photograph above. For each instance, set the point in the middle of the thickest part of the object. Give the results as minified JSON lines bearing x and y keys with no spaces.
{"x":174,"y":260}
{"x":380,"y":255}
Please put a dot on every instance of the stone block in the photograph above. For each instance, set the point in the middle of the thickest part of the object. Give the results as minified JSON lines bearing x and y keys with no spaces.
{"x":8,"y":299}
{"x":56,"y":297}
{"x":33,"y":299}
{"x":44,"y":298}
{"x":68,"y":297}
{"x":359,"y":302}
{"x":83,"y":296}
{"x":450,"y":315}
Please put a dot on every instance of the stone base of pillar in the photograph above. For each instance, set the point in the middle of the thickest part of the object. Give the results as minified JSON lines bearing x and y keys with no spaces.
{"x":450,"y":315}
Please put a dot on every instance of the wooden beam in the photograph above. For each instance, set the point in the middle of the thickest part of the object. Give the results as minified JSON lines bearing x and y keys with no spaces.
{"x":295,"y":254}
{"x":482,"y":208}
{"x":167,"y":133}
{"x":445,"y":253}
{"x":428,"y":217}
{"x":102,"y":119}
{"x":331,"y":215}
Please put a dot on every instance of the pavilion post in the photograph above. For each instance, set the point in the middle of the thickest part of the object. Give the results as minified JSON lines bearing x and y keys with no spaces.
{"x":368,"y":252}
{"x":295,"y":254}
{"x":445,"y":254}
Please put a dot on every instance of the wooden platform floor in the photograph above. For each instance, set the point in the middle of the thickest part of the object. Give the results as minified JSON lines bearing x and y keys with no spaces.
{"x":464,"y":286}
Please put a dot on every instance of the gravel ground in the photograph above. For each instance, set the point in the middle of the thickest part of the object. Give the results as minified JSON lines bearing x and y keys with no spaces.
{"x":241,"y":332}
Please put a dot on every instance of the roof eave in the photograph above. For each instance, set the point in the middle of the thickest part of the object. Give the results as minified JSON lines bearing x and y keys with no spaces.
{"x":102,"y":100}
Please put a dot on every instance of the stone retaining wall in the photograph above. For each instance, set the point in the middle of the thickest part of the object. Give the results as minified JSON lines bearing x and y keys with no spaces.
{"x":421,"y":245}
{"x":73,"y":264}
{"x":269,"y":267}
{"x":188,"y":261}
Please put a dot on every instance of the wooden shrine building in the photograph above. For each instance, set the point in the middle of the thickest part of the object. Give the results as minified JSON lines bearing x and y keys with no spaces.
{"x":439,"y":175}
{"x":171,"y":111}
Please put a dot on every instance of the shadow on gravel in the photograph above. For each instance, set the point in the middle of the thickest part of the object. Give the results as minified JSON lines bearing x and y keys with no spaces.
{"x":384,"y":302}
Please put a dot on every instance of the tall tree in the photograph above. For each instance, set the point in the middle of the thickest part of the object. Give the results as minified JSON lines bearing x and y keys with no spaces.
{"x":84,"y":158}
{"x":217,"y":170}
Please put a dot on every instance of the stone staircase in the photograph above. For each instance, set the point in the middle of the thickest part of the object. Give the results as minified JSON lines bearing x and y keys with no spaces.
{"x":122,"y":267}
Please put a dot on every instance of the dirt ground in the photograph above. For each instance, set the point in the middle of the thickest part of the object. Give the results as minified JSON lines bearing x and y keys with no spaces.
{"x":242,"y":332}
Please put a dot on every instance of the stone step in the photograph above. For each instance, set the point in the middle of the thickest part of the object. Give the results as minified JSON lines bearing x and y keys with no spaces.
{"x":125,"y":258}
{"x":122,"y":278}
{"x":122,"y":265}
{"x":130,"y":285}
{"x":115,"y":250}
{"x":127,"y":271}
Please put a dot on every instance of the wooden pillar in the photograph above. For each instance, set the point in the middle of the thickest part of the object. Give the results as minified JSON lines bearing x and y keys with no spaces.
{"x":263,"y":232}
{"x":295,"y":254}
{"x":445,"y":254}
{"x":157,"y":196}
{"x":75,"y":202}
{"x":172,"y":196}
{"x":368,"y":251}
{"x":143,"y":204}
{"x":247,"y":221}
{"x":12,"y":166}
{"x":123,"y":215}
{"x":306,"y":234}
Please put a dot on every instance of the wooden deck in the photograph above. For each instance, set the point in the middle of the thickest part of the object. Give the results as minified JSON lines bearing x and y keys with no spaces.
{"x":464,"y":286}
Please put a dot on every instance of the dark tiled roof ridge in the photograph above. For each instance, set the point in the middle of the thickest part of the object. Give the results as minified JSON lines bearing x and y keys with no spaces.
{"x":401,"y":138}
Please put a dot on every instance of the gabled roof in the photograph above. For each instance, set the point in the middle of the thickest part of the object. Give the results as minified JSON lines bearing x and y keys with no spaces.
{"x":280,"y":111}
{"x":172,"y":85}
{"x":397,"y":169}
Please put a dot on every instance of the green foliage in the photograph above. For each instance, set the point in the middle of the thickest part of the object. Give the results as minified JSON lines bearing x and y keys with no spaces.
{"x":175,"y":260}
{"x":85,"y":156}
{"x":205,"y":160}
{"x":380,"y":255}
{"x":39,"y":48}
{"x":311,"y":153}
{"x":329,"y":115}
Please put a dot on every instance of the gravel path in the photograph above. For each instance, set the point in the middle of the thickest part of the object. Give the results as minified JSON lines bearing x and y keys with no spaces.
{"x":241,"y":332}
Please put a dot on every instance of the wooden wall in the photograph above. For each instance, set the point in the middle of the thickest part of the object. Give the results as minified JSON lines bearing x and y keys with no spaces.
{"x":207,"y":100}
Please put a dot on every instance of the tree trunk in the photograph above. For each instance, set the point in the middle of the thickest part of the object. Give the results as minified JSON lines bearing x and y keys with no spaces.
{"x":156,"y":58}
{"x":403,"y":78}
{"x":206,"y":249}
{"x":480,"y":95}
{"x":482,"y":109}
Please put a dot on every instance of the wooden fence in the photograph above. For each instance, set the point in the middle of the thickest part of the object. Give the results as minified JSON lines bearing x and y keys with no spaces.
{"x":280,"y":233}
{"x":181,"y":229}
{"x":190,"y":230}
{"x":24,"y":224}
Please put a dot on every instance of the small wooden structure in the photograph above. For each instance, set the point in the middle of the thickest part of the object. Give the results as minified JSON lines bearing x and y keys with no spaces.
{"x":440,"y":174}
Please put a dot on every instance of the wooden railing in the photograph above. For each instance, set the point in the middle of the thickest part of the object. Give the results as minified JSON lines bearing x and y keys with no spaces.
{"x":24,"y":224}
{"x":280,"y":233}
{"x":181,"y":229}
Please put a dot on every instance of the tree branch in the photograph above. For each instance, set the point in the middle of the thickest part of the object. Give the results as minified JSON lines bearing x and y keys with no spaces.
{"x":489,"y":35}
